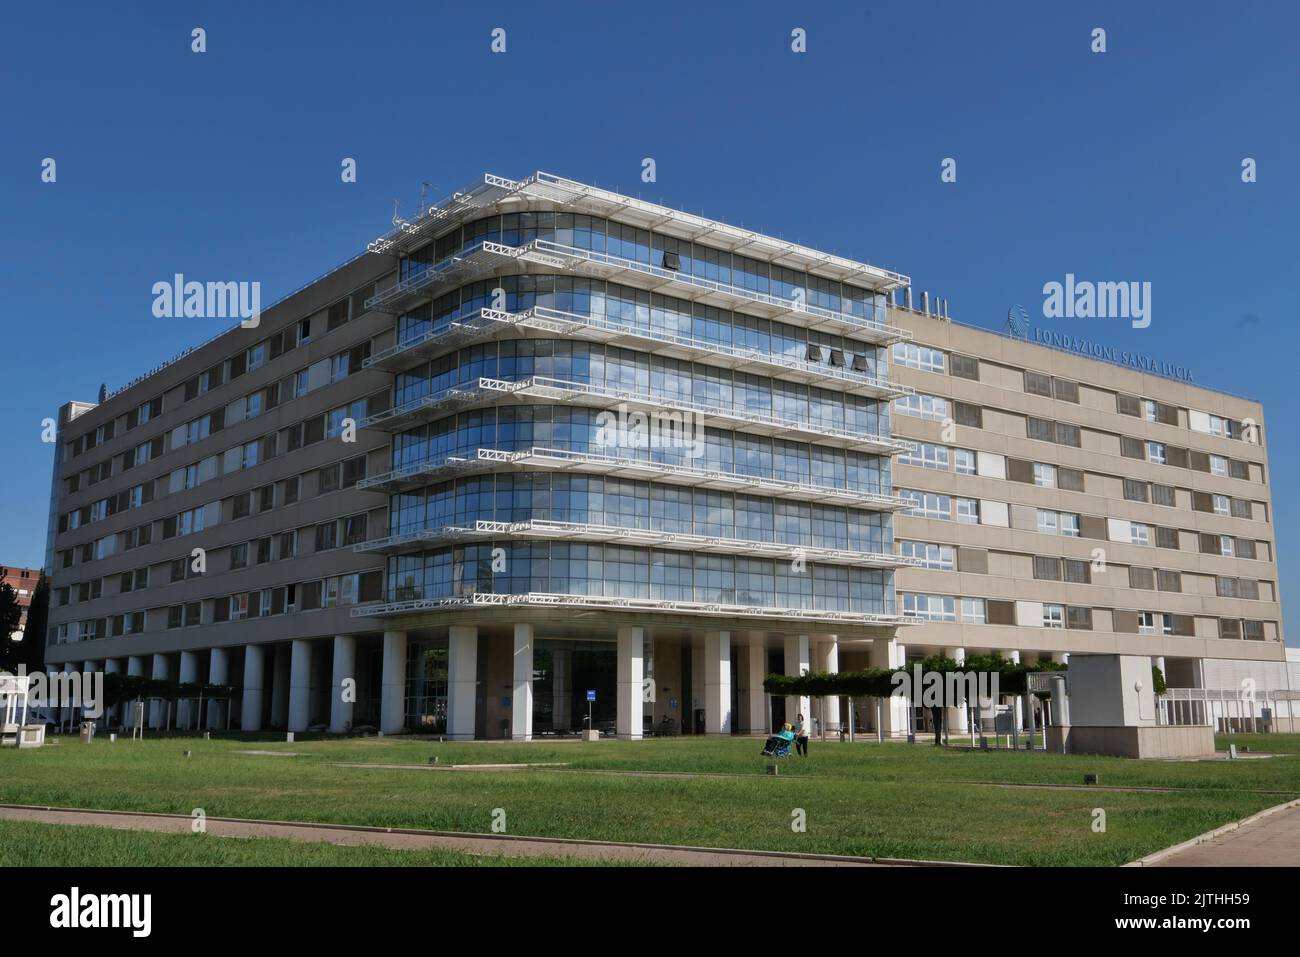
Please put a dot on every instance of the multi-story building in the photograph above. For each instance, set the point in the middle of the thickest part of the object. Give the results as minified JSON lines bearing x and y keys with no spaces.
{"x":548,"y":451}
{"x":1064,"y":503}
{"x":24,"y":582}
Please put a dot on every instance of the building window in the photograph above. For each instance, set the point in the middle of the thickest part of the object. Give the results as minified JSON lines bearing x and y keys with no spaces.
{"x":968,"y":511}
{"x":1047,"y":569}
{"x":1147,"y":624}
{"x":1044,"y":475}
{"x":1038,"y":384}
{"x":1221,"y":505}
{"x":963,"y":461}
{"x":918,"y":357}
{"x":926,"y":456}
{"x":969,"y":415}
{"x":1046,"y":522}
{"x":1135,"y":491}
{"x":1139,"y":534}
{"x":1164,"y":495}
{"x":327,"y":536}
{"x":927,"y":504}
{"x":931,"y":407}
{"x":930,"y":607}
{"x":1156,"y":453}
{"x":1078,"y":572}
{"x":1076,"y":617}
{"x":929,"y":554}
{"x":965,"y":367}
{"x":972,"y":611}
{"x":1053,"y":616}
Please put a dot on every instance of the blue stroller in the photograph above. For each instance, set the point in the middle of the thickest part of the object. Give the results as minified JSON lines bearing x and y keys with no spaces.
{"x":779,"y":744}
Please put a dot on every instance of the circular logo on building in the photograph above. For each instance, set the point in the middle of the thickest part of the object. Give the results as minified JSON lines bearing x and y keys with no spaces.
{"x":1018,"y":322}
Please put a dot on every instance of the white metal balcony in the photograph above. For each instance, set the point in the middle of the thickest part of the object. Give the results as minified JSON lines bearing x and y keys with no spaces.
{"x":484,"y":529}
{"x":548,"y":390}
{"x":486,"y":256}
{"x":496,"y":194}
{"x":420,"y":473}
{"x":484,"y":600}
{"x":842,"y":373}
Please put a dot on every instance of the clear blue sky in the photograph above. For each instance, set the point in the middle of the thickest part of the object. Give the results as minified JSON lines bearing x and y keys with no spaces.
{"x":225,"y":165}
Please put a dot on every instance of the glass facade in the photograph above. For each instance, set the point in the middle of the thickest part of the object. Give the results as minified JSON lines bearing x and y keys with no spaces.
{"x":515,"y":566}
{"x":619,"y":242}
{"x":631,"y":572}
{"x":655,"y":378}
{"x":578,"y":430}
{"x":673,"y":509}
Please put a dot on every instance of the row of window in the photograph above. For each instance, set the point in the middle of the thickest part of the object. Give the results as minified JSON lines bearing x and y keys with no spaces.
{"x":655,"y":377}
{"x":335,"y":533}
{"x":966,"y":462}
{"x":628,"y":572}
{"x":294,"y":335}
{"x":337,"y":590}
{"x":929,"y":359}
{"x":614,"y":240}
{"x":641,"y":311}
{"x":316,"y":429}
{"x":980,"y":611}
{"x":324,"y":372}
{"x":672,"y":509}
{"x":579,"y":430}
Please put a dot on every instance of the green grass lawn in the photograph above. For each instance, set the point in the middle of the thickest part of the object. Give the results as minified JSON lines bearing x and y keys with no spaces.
{"x":25,"y":844}
{"x":884,"y":800}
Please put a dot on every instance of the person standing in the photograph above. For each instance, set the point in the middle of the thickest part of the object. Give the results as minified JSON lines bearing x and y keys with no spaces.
{"x":801,"y":735}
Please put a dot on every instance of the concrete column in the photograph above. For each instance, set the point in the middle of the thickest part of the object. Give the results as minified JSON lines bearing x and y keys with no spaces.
{"x":830,"y":664}
{"x":462,"y":681}
{"x":189,"y":675}
{"x":561,"y":696}
{"x":760,"y":719}
{"x":893,"y":713}
{"x":280,"y":687}
{"x":1017,"y":702}
{"x":113,"y":666}
{"x":134,"y":669}
{"x":250,"y":711}
{"x":631,"y":653}
{"x":344,"y":670}
{"x":392,"y":700}
{"x":158,"y":709}
{"x":797,"y":663}
{"x":717,"y":682}
{"x":1159,"y":662}
{"x":957,"y":717}
{"x":300,"y":685}
{"x":218,"y":674}
{"x":521,"y":695}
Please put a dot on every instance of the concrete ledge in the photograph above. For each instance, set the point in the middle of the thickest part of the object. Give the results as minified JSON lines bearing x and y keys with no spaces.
{"x":1147,"y":741}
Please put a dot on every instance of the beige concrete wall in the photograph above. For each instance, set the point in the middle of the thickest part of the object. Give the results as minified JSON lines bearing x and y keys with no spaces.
{"x":1001,"y":395}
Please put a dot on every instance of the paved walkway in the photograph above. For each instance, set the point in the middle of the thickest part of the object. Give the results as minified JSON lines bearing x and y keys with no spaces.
{"x":401,"y":839}
{"x":1271,"y":840}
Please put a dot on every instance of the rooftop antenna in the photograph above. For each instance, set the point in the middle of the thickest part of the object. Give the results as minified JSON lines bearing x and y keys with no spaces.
{"x":424,"y":192}
{"x":397,"y":220}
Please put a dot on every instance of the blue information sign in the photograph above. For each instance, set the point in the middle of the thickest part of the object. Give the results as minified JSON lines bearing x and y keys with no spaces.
{"x":591,"y":695}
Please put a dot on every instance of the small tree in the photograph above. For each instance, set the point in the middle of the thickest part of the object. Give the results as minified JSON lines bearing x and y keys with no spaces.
{"x":32,"y":651}
{"x":11,"y":613}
